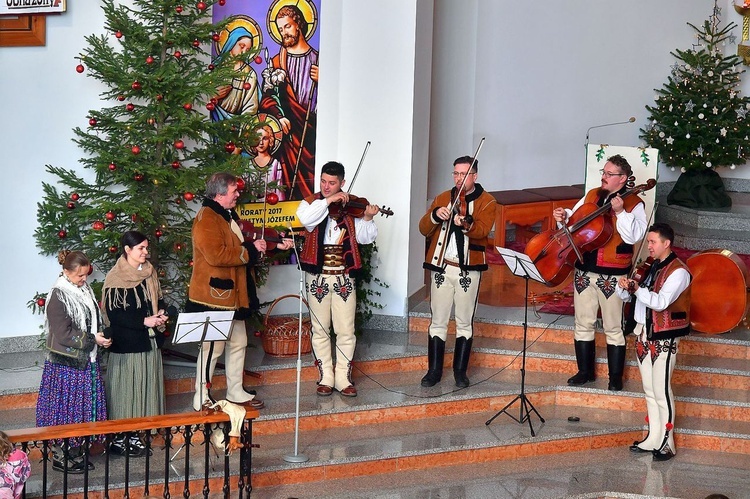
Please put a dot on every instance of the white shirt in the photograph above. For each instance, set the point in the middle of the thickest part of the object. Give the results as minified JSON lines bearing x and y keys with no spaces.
{"x":312,"y":214}
{"x":676,"y":283}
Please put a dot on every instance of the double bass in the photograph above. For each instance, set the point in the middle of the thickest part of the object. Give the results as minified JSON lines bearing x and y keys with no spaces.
{"x":554,"y":252}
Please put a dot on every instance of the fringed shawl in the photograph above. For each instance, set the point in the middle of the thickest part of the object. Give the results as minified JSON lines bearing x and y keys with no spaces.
{"x":124,"y":277}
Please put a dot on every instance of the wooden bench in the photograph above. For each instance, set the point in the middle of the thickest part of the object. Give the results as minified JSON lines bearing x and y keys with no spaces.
{"x":527,"y":207}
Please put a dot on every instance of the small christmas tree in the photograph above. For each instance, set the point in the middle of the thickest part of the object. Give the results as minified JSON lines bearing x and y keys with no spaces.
{"x":699,"y":122}
{"x":153,"y":146}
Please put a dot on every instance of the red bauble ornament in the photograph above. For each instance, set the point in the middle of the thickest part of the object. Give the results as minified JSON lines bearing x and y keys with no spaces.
{"x":130,"y":107}
{"x":159,"y":97}
{"x":134,"y":217}
{"x":62,"y":234}
{"x":121,"y":98}
{"x":190,"y":263}
{"x":175,"y":164}
{"x":188,"y":106}
{"x":177,"y":54}
{"x":214,"y":101}
{"x":215,"y":37}
{"x":178,"y":246}
{"x":92,"y":121}
{"x":210,"y":106}
{"x":211,"y":67}
{"x":240,"y":184}
{"x":247,"y":85}
{"x":138,"y":177}
{"x":179,"y":144}
{"x":258,"y":59}
{"x":179,"y":9}
{"x":256,"y":334}
{"x":229,"y":147}
{"x":149,"y":60}
{"x":91,"y":269}
{"x":158,"y":233}
{"x":80,"y":68}
{"x":201,"y":6}
{"x":135,"y":150}
{"x":75,"y":196}
{"x":196,"y":43}
{"x":71,"y":205}
{"x":136,"y":85}
{"x":188,"y":196}
{"x":98,"y":225}
{"x":272,"y":198}
{"x":112,"y":167}
{"x":118,"y":34}
{"x":113,"y":249}
{"x":109,"y":216}
{"x":222,"y":2}
{"x":41,"y":302}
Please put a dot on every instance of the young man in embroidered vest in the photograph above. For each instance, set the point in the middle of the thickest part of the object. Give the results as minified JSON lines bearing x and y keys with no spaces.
{"x":222,"y":280}
{"x":595,"y":279}
{"x":330,"y":257}
{"x":662,"y":314}
{"x":456,"y":260}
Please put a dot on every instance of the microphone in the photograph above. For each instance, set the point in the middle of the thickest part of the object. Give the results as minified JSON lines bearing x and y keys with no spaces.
{"x":630,"y":120}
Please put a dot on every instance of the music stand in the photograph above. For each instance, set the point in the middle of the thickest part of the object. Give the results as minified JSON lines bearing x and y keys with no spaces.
{"x":521,"y":265}
{"x":198,"y":327}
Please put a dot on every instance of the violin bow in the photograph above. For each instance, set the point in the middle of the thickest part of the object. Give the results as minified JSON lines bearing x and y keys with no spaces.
{"x":643,"y":241}
{"x":473,"y":162}
{"x":361,"y":162}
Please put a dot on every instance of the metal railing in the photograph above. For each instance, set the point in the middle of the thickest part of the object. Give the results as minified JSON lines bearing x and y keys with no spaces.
{"x":166,"y":463}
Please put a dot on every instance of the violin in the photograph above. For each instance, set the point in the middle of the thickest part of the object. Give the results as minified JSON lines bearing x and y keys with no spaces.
{"x":355,"y":208}
{"x":459,"y":208}
{"x":253,"y":233}
{"x":640,"y":273}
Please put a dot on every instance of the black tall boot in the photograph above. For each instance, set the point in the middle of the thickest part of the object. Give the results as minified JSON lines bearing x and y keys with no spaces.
{"x":616,"y":363}
{"x":435,"y":354}
{"x":586,"y":359}
{"x":461,"y":355}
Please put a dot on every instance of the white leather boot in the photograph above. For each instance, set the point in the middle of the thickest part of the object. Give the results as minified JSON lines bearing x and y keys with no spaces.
{"x":201,"y":392}
{"x":235,"y":364}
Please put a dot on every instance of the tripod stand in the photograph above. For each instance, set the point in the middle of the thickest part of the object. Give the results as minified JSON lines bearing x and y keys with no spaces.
{"x":522,"y":266}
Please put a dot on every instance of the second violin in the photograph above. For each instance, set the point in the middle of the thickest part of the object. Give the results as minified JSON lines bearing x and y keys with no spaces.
{"x":252,"y":233}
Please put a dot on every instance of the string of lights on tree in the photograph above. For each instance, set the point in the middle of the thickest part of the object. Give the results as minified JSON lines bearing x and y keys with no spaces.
{"x":699,"y":119}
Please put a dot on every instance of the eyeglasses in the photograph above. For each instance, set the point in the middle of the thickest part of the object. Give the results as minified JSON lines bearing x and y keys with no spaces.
{"x":610,"y":174}
{"x":462,"y":174}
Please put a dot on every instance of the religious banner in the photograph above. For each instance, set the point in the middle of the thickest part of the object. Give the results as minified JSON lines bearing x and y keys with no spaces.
{"x":279,"y":42}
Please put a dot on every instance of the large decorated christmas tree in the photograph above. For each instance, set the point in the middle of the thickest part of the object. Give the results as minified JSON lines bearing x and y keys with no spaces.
{"x":699,"y":122}
{"x":151,"y":146}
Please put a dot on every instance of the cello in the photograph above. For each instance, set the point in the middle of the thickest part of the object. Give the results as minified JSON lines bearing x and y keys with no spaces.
{"x":555,"y":251}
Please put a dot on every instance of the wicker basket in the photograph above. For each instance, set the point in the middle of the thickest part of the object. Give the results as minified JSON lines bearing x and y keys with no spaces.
{"x":280,"y":335}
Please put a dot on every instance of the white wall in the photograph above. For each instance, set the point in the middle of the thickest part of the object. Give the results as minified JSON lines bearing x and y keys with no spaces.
{"x":530,"y":76}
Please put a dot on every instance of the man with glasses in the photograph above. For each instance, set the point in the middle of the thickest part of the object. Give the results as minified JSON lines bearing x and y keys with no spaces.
{"x":456,"y":227}
{"x":596,"y":277}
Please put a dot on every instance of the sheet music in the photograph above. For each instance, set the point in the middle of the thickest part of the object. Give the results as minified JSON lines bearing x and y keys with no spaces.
{"x":520,"y":264}
{"x":190,"y":327}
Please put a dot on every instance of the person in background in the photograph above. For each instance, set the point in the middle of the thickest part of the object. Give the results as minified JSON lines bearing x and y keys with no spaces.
{"x":595,"y":279}
{"x":72,"y":390}
{"x":14,"y":469}
{"x":456,"y":259}
{"x":662,"y":315}
{"x":330,"y":258}
{"x":133,"y":309}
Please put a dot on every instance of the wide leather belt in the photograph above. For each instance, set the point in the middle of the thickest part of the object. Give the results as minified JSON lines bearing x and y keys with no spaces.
{"x":452,"y":264}
{"x":333,"y":271}
{"x":333,"y":257}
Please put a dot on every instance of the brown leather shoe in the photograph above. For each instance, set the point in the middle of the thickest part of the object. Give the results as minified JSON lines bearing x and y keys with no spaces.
{"x":324,"y":391}
{"x":349,"y":391}
{"x":251,"y":404}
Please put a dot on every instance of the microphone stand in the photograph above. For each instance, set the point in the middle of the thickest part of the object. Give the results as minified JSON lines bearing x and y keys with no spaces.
{"x":297,"y":457}
{"x":586,"y":145}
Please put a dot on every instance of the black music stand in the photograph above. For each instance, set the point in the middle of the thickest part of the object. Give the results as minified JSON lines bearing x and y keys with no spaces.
{"x":521,"y":265}
{"x":198,"y":327}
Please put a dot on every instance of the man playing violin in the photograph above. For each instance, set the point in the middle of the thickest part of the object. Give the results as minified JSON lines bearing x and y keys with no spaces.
{"x":662,"y":314}
{"x":330,"y":257}
{"x":456,"y":227}
{"x":595,"y":278}
{"x":222,"y":280}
